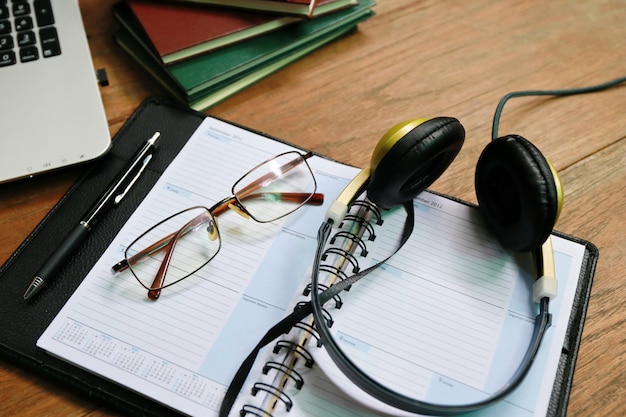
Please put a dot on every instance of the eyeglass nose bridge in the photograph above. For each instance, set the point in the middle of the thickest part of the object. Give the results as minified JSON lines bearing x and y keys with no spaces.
{"x":230,"y":202}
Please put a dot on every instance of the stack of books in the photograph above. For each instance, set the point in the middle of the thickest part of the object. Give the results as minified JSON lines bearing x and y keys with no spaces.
{"x":203,"y":51}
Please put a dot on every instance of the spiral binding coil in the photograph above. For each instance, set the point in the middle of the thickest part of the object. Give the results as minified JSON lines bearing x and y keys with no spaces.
{"x":287,"y":370}
{"x":362,"y":223}
{"x":345,"y":243}
{"x":345,"y":254}
{"x":353,"y":237}
{"x":322,"y":287}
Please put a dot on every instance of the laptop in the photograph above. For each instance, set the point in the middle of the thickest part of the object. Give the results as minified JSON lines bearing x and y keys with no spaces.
{"x":51,"y":111}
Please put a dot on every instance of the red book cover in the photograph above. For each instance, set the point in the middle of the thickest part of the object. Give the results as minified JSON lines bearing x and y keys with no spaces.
{"x":179,"y":31}
{"x":300,"y":8}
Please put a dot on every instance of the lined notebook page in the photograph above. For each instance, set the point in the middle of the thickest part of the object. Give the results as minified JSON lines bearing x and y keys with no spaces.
{"x":449,"y":317}
{"x":183,"y":349}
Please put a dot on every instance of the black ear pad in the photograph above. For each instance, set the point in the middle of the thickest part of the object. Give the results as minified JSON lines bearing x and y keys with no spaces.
{"x":516,"y":192}
{"x":415,"y":161}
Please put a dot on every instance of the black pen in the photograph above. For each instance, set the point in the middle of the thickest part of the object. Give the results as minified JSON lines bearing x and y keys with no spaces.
{"x":114,"y":193}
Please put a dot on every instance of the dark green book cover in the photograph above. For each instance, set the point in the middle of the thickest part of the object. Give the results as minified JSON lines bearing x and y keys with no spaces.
{"x":198,"y":76}
{"x":232,"y":85}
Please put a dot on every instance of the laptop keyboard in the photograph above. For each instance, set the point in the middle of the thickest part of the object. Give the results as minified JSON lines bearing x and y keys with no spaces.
{"x":27,"y":31}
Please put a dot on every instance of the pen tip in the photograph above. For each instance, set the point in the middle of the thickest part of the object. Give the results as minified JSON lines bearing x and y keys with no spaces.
{"x":34,"y":287}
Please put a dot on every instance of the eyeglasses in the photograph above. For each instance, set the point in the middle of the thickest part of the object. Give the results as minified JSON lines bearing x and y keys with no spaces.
{"x":183,"y":243}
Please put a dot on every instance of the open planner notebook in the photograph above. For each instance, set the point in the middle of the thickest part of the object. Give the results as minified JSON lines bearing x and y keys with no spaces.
{"x":420,"y":320}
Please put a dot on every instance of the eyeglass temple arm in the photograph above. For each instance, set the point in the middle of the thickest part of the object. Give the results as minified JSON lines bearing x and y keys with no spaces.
{"x":315,"y":199}
{"x":155,"y":289}
{"x":157,"y":284}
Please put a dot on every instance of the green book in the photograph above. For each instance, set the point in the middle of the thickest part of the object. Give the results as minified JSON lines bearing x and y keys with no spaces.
{"x":231,"y":86}
{"x":192,"y":80}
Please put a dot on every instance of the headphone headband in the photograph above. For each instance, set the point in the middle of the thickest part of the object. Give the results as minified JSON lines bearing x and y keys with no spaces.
{"x":389,"y":139}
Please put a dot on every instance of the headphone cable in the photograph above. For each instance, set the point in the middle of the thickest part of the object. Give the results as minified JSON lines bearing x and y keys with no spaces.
{"x":567,"y":92}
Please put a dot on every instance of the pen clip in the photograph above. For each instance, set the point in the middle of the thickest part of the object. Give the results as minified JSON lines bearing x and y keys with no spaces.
{"x":144,"y":164}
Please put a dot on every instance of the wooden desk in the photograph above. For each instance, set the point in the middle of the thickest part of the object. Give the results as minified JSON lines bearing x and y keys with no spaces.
{"x":420,"y":58}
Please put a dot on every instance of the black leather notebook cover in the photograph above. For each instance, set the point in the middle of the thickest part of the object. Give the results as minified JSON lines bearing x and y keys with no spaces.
{"x":23,"y":323}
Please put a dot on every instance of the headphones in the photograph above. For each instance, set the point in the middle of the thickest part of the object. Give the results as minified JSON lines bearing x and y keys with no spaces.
{"x":520,"y":197}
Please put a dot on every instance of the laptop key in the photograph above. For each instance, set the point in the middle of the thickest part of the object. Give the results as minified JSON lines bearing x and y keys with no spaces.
{"x":49,"y":42}
{"x":29,"y":53}
{"x":5,"y":27}
{"x":43,"y":12}
{"x":7,"y":58}
{"x":21,"y":8}
{"x":23,"y":23}
{"x":26,"y":38}
{"x":6,"y":42}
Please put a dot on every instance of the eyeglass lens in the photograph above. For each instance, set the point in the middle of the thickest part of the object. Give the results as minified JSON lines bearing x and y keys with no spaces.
{"x":189,"y":239}
{"x":276,"y":187}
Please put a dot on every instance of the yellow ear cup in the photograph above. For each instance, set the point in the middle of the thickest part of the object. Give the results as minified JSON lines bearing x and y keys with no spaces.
{"x":391,"y":137}
{"x":340,"y":206}
{"x":559,"y":190}
{"x":410,"y":157}
{"x":406,"y":160}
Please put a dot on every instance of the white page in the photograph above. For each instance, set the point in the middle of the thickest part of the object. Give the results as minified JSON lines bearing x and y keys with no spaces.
{"x":183,"y":349}
{"x":428,"y":324}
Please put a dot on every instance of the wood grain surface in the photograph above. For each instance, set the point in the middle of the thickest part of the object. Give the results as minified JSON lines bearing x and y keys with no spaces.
{"x":418,"y":59}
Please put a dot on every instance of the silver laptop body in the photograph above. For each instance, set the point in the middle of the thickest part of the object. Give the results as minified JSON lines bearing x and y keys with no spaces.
{"x":51,"y":112}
